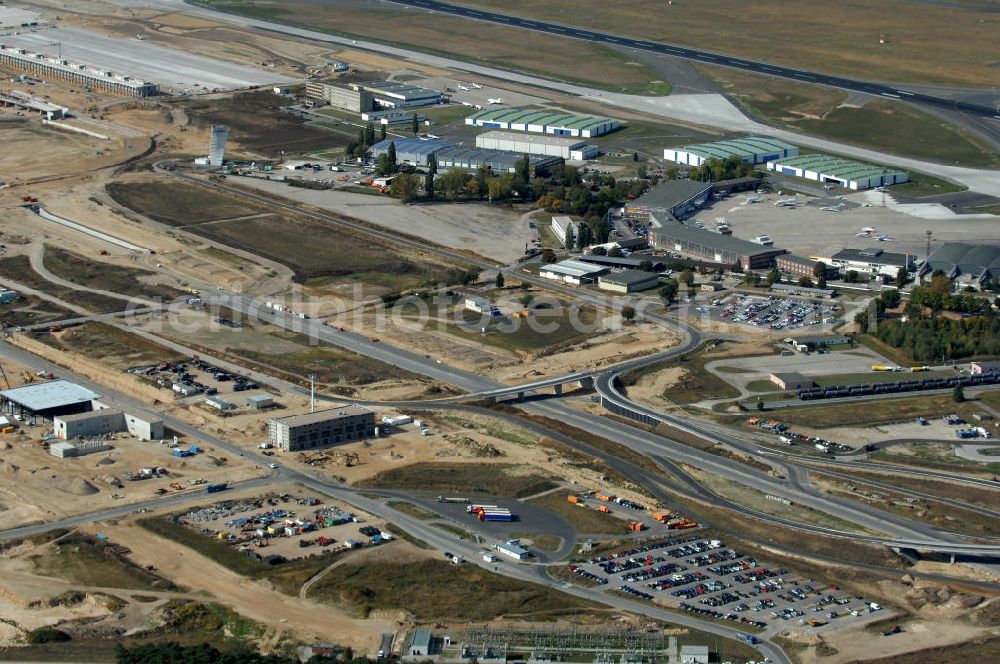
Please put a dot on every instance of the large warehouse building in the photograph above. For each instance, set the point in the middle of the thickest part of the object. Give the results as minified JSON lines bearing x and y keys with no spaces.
{"x":99,"y":79}
{"x":498,"y":161}
{"x":753,"y":150}
{"x":712,"y":247}
{"x":678,"y":198}
{"x":968,"y":265}
{"x":543,"y":122}
{"x":398,"y":95}
{"x":341,"y":96}
{"x":836,"y":170}
{"x":551,"y":146}
{"x":321,"y":428}
{"x":415,"y":151}
{"x":47,"y":399}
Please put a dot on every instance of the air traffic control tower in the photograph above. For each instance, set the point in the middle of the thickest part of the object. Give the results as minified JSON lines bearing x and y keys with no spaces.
{"x":217,"y":145}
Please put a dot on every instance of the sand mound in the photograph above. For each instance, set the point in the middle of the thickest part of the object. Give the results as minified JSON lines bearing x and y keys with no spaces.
{"x":106,"y":461}
{"x":76,"y":486}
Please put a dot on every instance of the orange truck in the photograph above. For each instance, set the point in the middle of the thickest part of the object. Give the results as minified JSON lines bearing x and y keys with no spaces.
{"x":573,"y":499}
{"x":604,"y":509}
{"x":604,"y":496}
{"x":636,"y":527}
{"x":661,"y":516}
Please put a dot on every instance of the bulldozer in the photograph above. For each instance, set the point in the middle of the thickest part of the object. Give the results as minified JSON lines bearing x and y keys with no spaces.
{"x":27,"y":377}
{"x":176,"y":486}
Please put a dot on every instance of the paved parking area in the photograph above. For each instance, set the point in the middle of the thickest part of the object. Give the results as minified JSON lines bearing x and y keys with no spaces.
{"x":774,"y":313}
{"x":706,"y":577}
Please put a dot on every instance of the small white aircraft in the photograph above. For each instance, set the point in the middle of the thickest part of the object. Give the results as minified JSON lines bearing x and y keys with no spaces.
{"x":866,"y":204}
{"x":866,"y":231}
{"x":883,"y":238}
{"x":787,"y":202}
{"x":495,"y":101}
{"x":834,"y":208}
{"x":463,"y":87}
{"x":752,"y":199}
{"x":477,"y":86}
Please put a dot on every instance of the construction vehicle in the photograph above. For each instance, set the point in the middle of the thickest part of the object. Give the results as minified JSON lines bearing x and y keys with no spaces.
{"x":103,"y":252}
{"x":176,"y":486}
{"x":573,"y":499}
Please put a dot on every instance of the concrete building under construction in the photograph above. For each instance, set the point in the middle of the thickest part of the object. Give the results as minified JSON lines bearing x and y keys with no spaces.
{"x":99,"y":79}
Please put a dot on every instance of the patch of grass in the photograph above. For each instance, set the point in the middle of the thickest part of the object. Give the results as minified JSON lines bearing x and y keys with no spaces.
{"x":114,"y":347}
{"x":879,"y":124}
{"x":939,"y":515}
{"x":931,"y":455}
{"x":32,"y":310}
{"x":545,"y":330}
{"x":436,"y":590}
{"x":461,"y":533}
{"x":505,"y":480}
{"x":179,"y":203}
{"x":733,"y":370}
{"x":316,"y":249}
{"x":921,"y":184}
{"x":988,"y":209}
{"x":88,"y":561}
{"x":562,"y":573}
{"x":762,"y":386}
{"x":877,"y":377}
{"x":446,"y":115}
{"x":940,"y":44}
{"x":496,"y":45}
{"x":985,"y":649}
{"x":402,"y":534}
{"x":18,"y":268}
{"x":102,"y":276}
{"x":974,"y":495}
{"x":542,"y":542}
{"x":331,"y":365}
{"x":868,"y":413}
{"x":695,"y":384}
{"x":585,"y":520}
{"x":412,"y":510}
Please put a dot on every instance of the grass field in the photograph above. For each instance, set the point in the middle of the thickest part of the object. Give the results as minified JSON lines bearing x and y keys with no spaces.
{"x":83,"y":559}
{"x":412,"y":510}
{"x":587,"y":521}
{"x":314,"y":249}
{"x":986,"y":649}
{"x":256,"y":124}
{"x":943,"y":43}
{"x":115,"y":348}
{"x":506,"y":47}
{"x":696,"y":384}
{"x":101,"y":276}
{"x":934,"y":456}
{"x":879,"y":411}
{"x":18,"y":268}
{"x":437,"y":590}
{"x":974,"y":495}
{"x":546,"y":329}
{"x":179,"y":203}
{"x":921,"y":184}
{"x":504,"y":480}
{"x":939,"y":515}
{"x":32,"y":310}
{"x":878,"y":124}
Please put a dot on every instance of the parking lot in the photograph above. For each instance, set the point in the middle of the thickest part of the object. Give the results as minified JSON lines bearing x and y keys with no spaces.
{"x":198,"y":376}
{"x":706,"y":577}
{"x":772,"y":312}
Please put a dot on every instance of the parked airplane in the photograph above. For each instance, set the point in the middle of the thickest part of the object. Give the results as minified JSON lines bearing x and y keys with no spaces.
{"x":752,"y":199}
{"x":834,"y":208}
{"x":884,"y":238}
{"x":477,"y":86}
{"x":463,"y":87}
{"x":495,"y":101}
{"x":866,"y":231}
{"x":787,"y":202}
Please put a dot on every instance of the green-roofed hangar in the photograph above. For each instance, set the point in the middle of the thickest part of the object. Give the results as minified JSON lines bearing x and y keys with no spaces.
{"x":752,"y":149}
{"x":839,"y":171}
{"x":542,"y":122}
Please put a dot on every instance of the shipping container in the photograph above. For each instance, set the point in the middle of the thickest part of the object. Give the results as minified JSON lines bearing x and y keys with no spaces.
{"x":215,"y":488}
{"x":573,"y":499}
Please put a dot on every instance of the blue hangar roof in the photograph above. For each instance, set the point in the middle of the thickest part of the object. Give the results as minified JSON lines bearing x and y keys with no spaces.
{"x":50,"y":394}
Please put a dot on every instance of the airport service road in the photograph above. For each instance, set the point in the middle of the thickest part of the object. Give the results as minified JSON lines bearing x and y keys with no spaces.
{"x":706,"y":109}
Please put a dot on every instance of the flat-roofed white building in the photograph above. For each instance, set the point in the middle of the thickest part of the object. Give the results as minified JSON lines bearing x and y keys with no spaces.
{"x":553,"y":146}
{"x":572,"y":272}
{"x":561,"y":223}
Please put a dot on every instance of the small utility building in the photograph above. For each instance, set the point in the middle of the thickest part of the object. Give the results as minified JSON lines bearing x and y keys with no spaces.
{"x":628,"y":281}
{"x":792,"y":381}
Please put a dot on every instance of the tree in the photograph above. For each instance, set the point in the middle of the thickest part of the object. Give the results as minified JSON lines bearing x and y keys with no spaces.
{"x":452,"y":183}
{"x":819,"y":269}
{"x":405,"y":187}
{"x":901,"y":275}
{"x":806,"y":282}
{"x":362,"y":137}
{"x":668,"y":292}
{"x":646,"y":266}
{"x":635,"y":156}
{"x":584,"y":236}
{"x":570,"y":237}
{"x":751,"y":279}
{"x":548,"y":256}
{"x":687,"y":277}
{"x":958,"y":394}
{"x":499,"y":280}
{"x":522,"y":172}
{"x":381,"y":132}
{"x":369,"y":134}
{"x":822,"y":281}
{"x":599,"y":251}
{"x":615,"y":252}
{"x":628,"y":312}
{"x":429,"y":185}
{"x":432,"y":164}
{"x":773,"y":276}
{"x":415,"y":126}
{"x":391,"y":154}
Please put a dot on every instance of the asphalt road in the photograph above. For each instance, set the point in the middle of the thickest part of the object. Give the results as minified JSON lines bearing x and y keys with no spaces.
{"x":854,"y":85}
